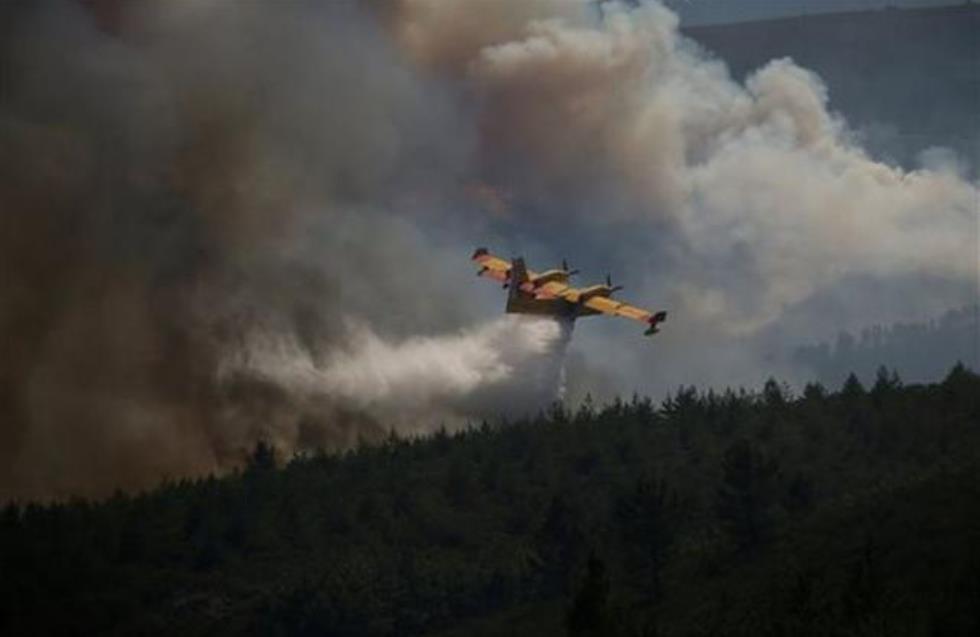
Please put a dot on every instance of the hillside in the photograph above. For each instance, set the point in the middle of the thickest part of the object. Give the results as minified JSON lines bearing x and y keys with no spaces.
{"x":844,"y":513}
{"x":905,"y":79}
{"x":919,"y":351}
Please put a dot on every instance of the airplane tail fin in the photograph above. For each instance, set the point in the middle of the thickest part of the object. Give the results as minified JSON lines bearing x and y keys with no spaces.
{"x":518,"y":276}
{"x":518,"y":272}
{"x":654,"y":321}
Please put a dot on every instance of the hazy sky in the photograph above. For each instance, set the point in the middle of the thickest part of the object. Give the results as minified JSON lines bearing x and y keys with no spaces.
{"x":707,"y":11}
{"x":253,"y":221}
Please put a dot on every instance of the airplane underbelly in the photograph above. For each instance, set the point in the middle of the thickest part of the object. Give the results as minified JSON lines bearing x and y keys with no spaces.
{"x":544,"y":307}
{"x":548,"y":307}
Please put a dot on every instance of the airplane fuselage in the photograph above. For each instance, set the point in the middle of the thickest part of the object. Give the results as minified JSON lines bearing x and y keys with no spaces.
{"x":560,"y":276}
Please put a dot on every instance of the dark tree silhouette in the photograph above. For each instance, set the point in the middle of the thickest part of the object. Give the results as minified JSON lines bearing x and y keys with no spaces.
{"x":743,"y":498}
{"x":589,"y":615}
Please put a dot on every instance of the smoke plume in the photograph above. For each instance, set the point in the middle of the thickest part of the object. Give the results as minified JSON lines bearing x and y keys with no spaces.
{"x":229,"y":222}
{"x":508,"y":367}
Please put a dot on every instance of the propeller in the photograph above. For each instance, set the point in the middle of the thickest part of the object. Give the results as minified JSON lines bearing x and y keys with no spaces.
{"x":609,"y":284}
{"x":564,"y":266}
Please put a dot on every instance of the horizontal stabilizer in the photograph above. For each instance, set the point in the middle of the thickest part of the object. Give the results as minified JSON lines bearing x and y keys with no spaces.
{"x":654,"y":321}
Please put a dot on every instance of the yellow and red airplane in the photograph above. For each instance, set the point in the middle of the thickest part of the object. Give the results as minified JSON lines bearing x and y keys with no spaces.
{"x":549,"y":293}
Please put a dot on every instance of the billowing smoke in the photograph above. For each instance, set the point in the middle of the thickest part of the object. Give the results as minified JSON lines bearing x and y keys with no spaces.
{"x":228,"y":222}
{"x":508,"y":368}
{"x":749,"y":210}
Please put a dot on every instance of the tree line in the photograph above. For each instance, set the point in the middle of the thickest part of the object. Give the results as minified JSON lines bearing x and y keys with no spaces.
{"x":844,"y":512}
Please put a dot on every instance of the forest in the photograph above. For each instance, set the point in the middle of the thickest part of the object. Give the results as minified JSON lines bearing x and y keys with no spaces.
{"x":917,"y":351}
{"x":847,"y":512}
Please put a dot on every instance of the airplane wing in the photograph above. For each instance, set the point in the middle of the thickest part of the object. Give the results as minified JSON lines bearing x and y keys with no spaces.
{"x":618,"y":308}
{"x":602,"y":304}
{"x":493,"y":266}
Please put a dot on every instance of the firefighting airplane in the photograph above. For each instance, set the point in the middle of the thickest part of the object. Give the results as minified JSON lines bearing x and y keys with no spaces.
{"x":549,"y":293}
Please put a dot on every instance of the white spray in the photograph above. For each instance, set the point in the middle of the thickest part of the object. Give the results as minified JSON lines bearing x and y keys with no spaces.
{"x":510,"y":367}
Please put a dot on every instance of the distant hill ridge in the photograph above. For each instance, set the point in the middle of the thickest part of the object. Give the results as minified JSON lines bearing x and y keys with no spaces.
{"x":905,"y":79}
{"x":835,"y":16}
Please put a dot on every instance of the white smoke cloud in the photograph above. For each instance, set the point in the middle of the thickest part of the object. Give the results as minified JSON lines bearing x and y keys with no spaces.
{"x":756,"y":194}
{"x":510,"y":367}
{"x":763,"y":168}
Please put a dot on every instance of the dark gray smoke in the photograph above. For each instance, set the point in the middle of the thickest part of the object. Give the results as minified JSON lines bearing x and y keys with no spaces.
{"x":179,"y":179}
{"x":228,"y":222}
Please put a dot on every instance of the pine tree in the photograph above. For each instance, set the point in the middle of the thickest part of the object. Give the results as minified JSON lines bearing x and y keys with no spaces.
{"x":742,"y":500}
{"x":589,"y":613}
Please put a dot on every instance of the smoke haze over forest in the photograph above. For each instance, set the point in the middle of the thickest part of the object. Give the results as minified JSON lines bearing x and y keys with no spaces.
{"x":228,"y":222}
